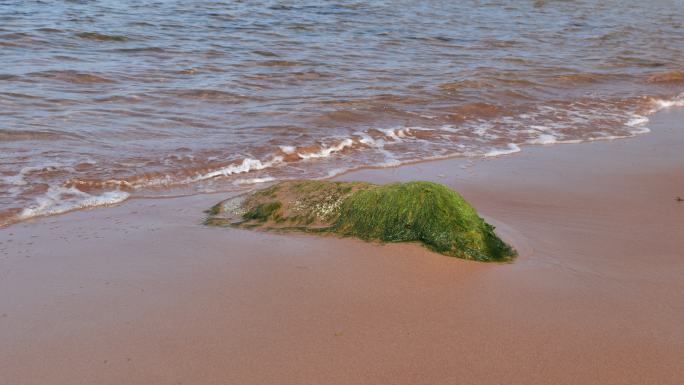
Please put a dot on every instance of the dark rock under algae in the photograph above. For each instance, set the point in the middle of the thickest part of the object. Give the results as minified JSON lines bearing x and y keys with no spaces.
{"x":426,"y":212}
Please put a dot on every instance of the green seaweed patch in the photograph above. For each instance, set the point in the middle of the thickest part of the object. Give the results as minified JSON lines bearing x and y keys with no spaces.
{"x":215,"y":209}
{"x":263,"y":212}
{"x":425,"y":212}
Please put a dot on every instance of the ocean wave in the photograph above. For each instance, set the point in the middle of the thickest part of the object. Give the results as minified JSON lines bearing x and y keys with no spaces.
{"x":247,"y":165}
{"x":327,"y":151}
{"x":660,"y":104}
{"x":381,"y":141}
{"x":357,"y":139}
{"x":57,"y":200}
{"x":376,"y":147}
{"x":396,"y":133}
{"x":19,"y":179}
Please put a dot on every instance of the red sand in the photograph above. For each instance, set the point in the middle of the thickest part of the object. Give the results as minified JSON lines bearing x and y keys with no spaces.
{"x":144,"y":294}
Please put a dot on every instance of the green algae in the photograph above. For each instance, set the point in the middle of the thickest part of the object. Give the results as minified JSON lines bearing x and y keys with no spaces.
{"x":263,"y":212}
{"x":425,"y":212}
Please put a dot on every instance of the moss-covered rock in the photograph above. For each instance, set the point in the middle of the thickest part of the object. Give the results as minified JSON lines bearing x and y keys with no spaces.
{"x":427,"y":212}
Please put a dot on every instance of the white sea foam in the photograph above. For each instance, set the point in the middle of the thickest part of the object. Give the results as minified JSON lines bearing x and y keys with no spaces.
{"x":677,"y":101}
{"x":544,"y":139}
{"x":368,"y":140}
{"x":58,"y":200}
{"x":450,"y":128}
{"x":638,"y":124}
{"x":608,"y":137}
{"x":288,"y":149}
{"x":510,"y":149}
{"x":637,"y":120}
{"x":264,"y":179}
{"x":327,"y":151}
{"x":481,"y":129}
{"x":19,"y":179}
{"x":426,"y":116}
{"x":395,"y":134}
{"x":640,"y":130}
{"x":247,"y":165}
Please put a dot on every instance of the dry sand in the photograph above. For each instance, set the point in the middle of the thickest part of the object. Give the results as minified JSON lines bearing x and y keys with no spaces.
{"x":144,"y":294}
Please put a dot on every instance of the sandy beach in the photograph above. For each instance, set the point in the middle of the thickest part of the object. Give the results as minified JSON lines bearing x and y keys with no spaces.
{"x":143,"y":293}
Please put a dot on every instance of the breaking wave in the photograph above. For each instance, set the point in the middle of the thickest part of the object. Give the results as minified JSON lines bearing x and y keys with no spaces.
{"x":376,"y":147}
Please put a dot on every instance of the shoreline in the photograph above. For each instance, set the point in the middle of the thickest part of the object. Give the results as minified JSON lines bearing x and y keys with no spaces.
{"x":117,"y":197}
{"x":142,"y":293}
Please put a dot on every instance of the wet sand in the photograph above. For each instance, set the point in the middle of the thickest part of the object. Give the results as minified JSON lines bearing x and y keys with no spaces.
{"x":142,"y":293}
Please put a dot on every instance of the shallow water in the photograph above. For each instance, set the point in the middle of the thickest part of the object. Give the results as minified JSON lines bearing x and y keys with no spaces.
{"x":102,"y":100}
